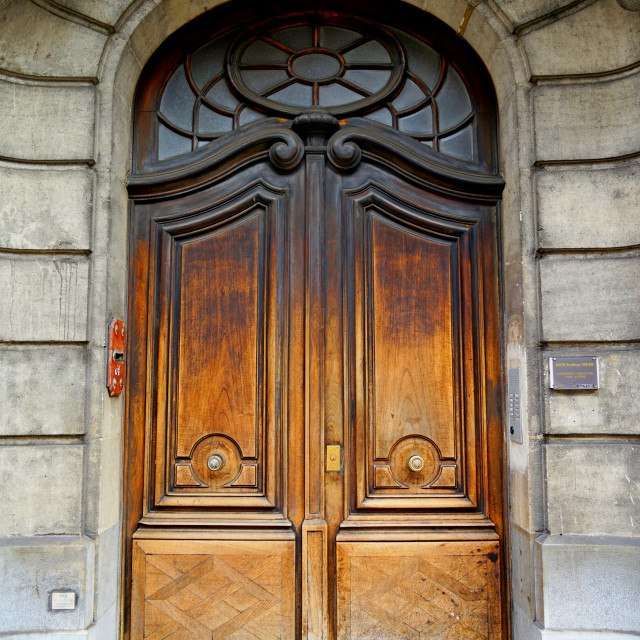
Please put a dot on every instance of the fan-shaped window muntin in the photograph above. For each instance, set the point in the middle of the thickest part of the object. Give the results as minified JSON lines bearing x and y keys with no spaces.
{"x":341,"y":65}
{"x":337,"y":67}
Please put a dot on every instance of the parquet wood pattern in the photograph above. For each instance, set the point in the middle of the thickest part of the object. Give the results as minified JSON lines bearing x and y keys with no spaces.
{"x":206,"y":590}
{"x":426,"y":592}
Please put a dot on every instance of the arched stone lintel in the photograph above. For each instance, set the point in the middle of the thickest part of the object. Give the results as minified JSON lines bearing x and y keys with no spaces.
{"x":629,"y":5}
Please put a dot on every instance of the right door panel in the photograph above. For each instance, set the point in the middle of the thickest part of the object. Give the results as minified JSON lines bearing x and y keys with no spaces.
{"x":412,"y":290}
{"x":419,"y":550}
{"x":415,"y":287}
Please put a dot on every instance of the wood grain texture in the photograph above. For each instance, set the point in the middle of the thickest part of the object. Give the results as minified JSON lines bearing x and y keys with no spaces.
{"x":411,"y":326}
{"x":219,"y":304}
{"x":419,"y":591}
{"x":221,"y":320}
{"x":205,"y":590}
{"x":314,"y":556}
{"x":417,"y":313}
{"x":315,"y":601}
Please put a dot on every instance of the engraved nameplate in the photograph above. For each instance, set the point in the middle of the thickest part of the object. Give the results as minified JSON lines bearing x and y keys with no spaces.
{"x":63,"y":600}
{"x":574,"y":373}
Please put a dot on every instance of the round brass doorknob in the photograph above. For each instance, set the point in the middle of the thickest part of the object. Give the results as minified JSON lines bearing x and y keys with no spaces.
{"x":215,"y":462}
{"x":416,"y":463}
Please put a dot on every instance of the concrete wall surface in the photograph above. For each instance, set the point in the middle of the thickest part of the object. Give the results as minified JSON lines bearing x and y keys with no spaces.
{"x":567,"y":78}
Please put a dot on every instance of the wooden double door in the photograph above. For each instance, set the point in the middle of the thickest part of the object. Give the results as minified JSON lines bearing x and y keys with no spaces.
{"x":314,"y":434}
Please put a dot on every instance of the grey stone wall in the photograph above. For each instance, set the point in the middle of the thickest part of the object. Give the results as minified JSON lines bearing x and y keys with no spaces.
{"x":584,"y":70}
{"x":53,"y":418}
{"x":567,"y":76}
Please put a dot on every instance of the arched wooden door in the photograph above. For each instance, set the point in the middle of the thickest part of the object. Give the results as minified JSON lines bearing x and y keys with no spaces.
{"x":314,"y":442}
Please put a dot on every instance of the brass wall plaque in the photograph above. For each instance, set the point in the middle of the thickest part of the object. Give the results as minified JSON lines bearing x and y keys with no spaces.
{"x":574,"y":373}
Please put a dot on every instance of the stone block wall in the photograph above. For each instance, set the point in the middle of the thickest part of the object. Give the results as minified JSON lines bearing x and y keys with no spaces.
{"x":52,"y":417}
{"x":567,"y":77}
{"x":584,"y":65}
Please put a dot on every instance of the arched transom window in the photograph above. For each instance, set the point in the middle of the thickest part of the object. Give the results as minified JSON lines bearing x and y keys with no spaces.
{"x":315,"y":61}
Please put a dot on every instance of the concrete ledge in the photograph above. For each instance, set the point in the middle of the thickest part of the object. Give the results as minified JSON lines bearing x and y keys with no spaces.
{"x":104,"y":629}
{"x":612,"y":409}
{"x":107,"y":569}
{"x":590,"y":297}
{"x":593,"y":488}
{"x":578,"y":43}
{"x":588,"y":582}
{"x":523,"y":11}
{"x":589,"y":207}
{"x":550,"y":634}
{"x":33,"y":567}
{"x":44,"y":298}
{"x":587,"y":121}
{"x":46,"y":209}
{"x":35,"y":41}
{"x":47,"y":121}
{"x":106,"y":11}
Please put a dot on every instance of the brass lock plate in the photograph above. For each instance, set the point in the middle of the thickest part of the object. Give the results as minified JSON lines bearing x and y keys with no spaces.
{"x":333,"y":459}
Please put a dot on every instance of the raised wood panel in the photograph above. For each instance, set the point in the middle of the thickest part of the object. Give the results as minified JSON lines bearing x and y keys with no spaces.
{"x":203,"y":589}
{"x":220,"y":312}
{"x":221,"y":280}
{"x":419,"y":590}
{"x":315,"y":589}
{"x":416,"y":301}
{"x":412,"y":335}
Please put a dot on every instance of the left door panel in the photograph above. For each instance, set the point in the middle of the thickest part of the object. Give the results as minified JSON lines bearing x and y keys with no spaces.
{"x":212,"y":492}
{"x":220,"y":334}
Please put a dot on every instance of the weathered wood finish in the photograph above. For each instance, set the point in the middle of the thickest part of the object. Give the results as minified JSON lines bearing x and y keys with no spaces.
{"x":226,"y":263}
{"x":213,"y":589}
{"x":417,"y":590}
{"x":298,"y":284}
{"x":413,"y":287}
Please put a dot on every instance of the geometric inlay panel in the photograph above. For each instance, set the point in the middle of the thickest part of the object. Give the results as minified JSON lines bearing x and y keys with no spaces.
{"x":419,"y":591}
{"x":205,"y":590}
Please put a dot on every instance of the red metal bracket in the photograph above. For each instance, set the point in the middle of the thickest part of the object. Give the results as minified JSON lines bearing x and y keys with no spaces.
{"x":116,"y":363}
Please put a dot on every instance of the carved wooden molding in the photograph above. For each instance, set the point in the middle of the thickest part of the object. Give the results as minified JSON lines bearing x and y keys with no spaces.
{"x":352,"y":140}
{"x":409,"y":158}
{"x":273,"y":137}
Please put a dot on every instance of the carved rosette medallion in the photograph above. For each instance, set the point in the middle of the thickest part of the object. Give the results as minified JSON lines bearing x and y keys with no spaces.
{"x":216,"y":462}
{"x":414,"y":464}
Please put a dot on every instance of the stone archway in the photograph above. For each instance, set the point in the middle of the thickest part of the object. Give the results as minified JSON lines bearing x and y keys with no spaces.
{"x":434,"y":437}
{"x":492,"y":41}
